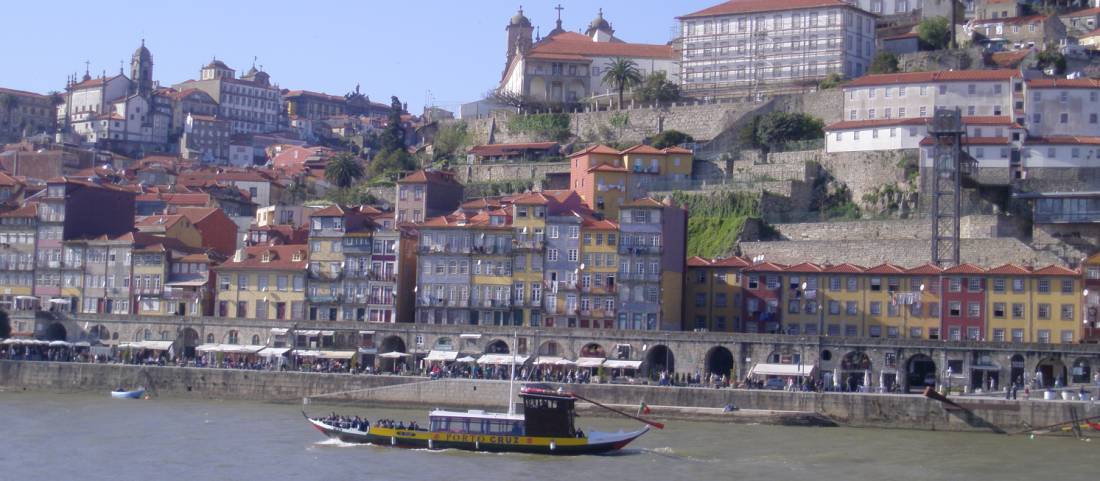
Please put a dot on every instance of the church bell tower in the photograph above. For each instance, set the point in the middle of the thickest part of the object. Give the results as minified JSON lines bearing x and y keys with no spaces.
{"x":141,"y":71}
{"x":519,"y":37}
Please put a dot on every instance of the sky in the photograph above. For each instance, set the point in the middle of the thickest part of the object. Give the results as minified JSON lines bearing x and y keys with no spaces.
{"x":441,"y":53}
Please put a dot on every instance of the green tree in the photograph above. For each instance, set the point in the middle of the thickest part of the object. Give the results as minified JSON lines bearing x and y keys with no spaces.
{"x":393,"y":136}
{"x":1051,"y":58}
{"x":657,"y":88}
{"x":934,"y":32}
{"x":343,"y":169}
{"x":772,"y":130}
{"x":884,"y":62}
{"x":621,"y":74}
{"x":670,"y":138}
{"x":830,"y":81}
{"x":450,"y":140}
{"x":5,"y":325}
{"x":391,"y":163}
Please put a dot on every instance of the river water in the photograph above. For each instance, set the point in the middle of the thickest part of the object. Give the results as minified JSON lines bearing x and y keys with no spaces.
{"x":85,"y":437}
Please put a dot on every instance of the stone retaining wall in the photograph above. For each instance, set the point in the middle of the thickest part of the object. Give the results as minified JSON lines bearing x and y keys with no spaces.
{"x":971,"y":227}
{"x":516,"y":171}
{"x":904,"y":252}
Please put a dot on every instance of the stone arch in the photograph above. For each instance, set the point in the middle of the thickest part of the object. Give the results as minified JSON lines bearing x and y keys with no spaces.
{"x":255,"y":339}
{"x":551,"y":348}
{"x":719,"y":361}
{"x":56,"y":332}
{"x":210,"y":338}
{"x":497,"y":346}
{"x":233,"y":337}
{"x":1081,"y":372}
{"x":854,"y":371}
{"x":99,"y":332}
{"x":593,"y":349}
{"x":658,"y":359}
{"x":188,"y":338}
{"x":1016,"y":368}
{"x":920,"y":371}
{"x":444,"y":344}
{"x":1049,"y":370}
{"x":392,"y":344}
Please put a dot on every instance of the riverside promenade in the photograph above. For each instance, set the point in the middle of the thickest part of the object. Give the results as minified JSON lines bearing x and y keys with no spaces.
{"x":781,"y":407}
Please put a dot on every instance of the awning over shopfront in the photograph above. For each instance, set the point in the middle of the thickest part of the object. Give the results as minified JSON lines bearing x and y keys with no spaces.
{"x":336,"y":354}
{"x":547,"y":360}
{"x":229,"y":348}
{"x":621,"y":364}
{"x":328,"y":333}
{"x":800,"y":370}
{"x":150,"y":345}
{"x":279,"y":331}
{"x":500,"y":359}
{"x":465,"y":359}
{"x":589,"y":362}
{"x":308,"y":332}
{"x":441,"y":356}
{"x":187,"y":283}
{"x":393,"y":355}
{"x":470,"y":336}
{"x":273,"y":351}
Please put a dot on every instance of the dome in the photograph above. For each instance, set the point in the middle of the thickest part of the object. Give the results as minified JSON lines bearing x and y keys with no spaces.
{"x":251,"y":72}
{"x":599,"y":23}
{"x":142,"y":52}
{"x":519,"y":20}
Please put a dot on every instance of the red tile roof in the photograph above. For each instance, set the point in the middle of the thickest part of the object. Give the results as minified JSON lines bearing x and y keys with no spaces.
{"x":1009,"y":269}
{"x":732,"y":261}
{"x":845,"y":268}
{"x":766,"y":267}
{"x":1080,"y":13}
{"x":167,"y":221}
{"x":21,"y":93}
{"x":754,"y":6}
{"x":642,"y":149}
{"x":902,"y":36}
{"x":1057,"y":83}
{"x":572,"y":43}
{"x":1054,"y":270}
{"x":196,"y":214}
{"x":429,"y":176}
{"x":864,"y":124}
{"x":1012,"y":20}
{"x":29,"y":210}
{"x":1010,"y":59}
{"x":1062,"y":140}
{"x":965,"y":268}
{"x":644,"y":202}
{"x":607,"y":168}
{"x":696,"y":261}
{"x":595,"y":149}
{"x":677,"y":150}
{"x":926,"y":269}
{"x":886,"y":268}
{"x":805,"y":267}
{"x":281,"y":258}
{"x":532,"y":198}
{"x":940,"y":76}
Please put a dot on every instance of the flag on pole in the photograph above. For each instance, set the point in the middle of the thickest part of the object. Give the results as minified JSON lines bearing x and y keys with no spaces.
{"x":643,"y":409}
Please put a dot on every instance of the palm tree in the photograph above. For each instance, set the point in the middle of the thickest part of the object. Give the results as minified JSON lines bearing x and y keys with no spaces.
{"x":343,"y":169}
{"x":621,"y":73}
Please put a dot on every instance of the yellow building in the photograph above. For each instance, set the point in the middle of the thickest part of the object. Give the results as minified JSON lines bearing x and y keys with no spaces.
{"x":1008,"y":304}
{"x":263,"y":282}
{"x":491,"y":269}
{"x":598,"y":269}
{"x":174,"y":226}
{"x":843,"y":300}
{"x":921,"y":308}
{"x":882,"y":311}
{"x":1056,"y":297}
{"x":712,"y":294}
{"x":529,"y":228}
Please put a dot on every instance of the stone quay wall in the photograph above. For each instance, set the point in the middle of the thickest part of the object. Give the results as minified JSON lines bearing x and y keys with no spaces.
{"x":510,"y":171}
{"x":971,"y":227}
{"x":856,"y":410}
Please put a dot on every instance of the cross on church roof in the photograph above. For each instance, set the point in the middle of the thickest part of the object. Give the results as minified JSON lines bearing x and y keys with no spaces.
{"x":559,"y":8}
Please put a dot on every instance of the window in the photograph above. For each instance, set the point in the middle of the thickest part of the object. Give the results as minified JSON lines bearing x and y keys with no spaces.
{"x":851,"y":308}
{"x":1043,"y":311}
{"x":1067,"y":286}
{"x":1044,"y":286}
{"x":1067,"y":312}
{"x":875,"y":331}
{"x":973,"y":309}
{"x":954,"y":309}
{"x":915,"y":333}
{"x":999,"y":310}
{"x":973,"y":333}
{"x":876,"y":308}
{"x":1067,"y":336}
{"x":999,"y":285}
{"x":1017,"y":310}
{"x":1044,"y":336}
{"x":1017,"y":335}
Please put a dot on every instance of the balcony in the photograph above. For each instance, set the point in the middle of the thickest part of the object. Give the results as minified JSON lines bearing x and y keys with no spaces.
{"x":639,"y":250}
{"x":530,"y":245}
{"x":491,"y":250}
{"x":148,"y":291}
{"x":640,"y":276}
{"x":382,"y":277}
{"x":177,"y":294}
{"x":328,"y":298}
{"x":442,"y":249}
{"x":325,"y":275}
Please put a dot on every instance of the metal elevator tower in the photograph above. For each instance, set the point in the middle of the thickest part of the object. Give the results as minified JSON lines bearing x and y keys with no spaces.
{"x":948,"y":168}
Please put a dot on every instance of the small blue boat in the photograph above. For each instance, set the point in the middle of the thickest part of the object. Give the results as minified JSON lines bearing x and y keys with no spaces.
{"x":135,"y":394}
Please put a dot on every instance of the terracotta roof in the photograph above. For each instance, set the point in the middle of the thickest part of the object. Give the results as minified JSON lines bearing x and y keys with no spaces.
{"x":766,"y":267}
{"x":1062,"y":140}
{"x":1052,"y":83}
{"x":845,"y":268}
{"x":281,"y":258}
{"x":482,"y":203}
{"x":732,"y":261}
{"x":1012,"y":20}
{"x":886,"y":268}
{"x":902,"y":36}
{"x":29,"y":210}
{"x":333,"y":210}
{"x":971,"y":141}
{"x":696,"y":261}
{"x":965,"y":268}
{"x":607,"y":168}
{"x":1079,"y":13}
{"x":926,"y":269}
{"x":188,"y":198}
{"x":425,"y":176}
{"x":201,"y":257}
{"x":990,"y":120}
{"x":1009,"y":269}
{"x":805,"y":267}
{"x":1010,"y":59}
{"x":1091,"y":33}
{"x":572,"y":43}
{"x":754,"y":6}
{"x":22,"y":93}
{"x":510,"y":149}
{"x":864,"y":124}
{"x":940,"y":76}
{"x":596,"y":149}
{"x":642,"y":149}
{"x":163,"y":220}
{"x":532,"y":198}
{"x":1054,"y":270}
{"x":195,"y":215}
{"x":94,"y":82}
{"x":677,"y":150}
{"x":591,"y":223}
{"x":9,"y":181}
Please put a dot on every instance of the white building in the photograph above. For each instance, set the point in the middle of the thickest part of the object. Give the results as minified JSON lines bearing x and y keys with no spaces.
{"x":569,"y":66}
{"x":751,"y":46}
{"x":250,"y":104}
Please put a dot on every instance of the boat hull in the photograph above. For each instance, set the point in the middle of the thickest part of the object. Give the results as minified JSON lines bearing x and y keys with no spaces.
{"x":128,"y":394}
{"x":597,"y":444}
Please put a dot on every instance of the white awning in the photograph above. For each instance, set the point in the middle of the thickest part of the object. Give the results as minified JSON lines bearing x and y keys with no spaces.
{"x":26,"y":298}
{"x":589,"y":361}
{"x":393,"y":355}
{"x":441,"y":356}
{"x":150,"y":345}
{"x":273,"y":351}
{"x":621,"y":364}
{"x":800,"y":370}
{"x":307,"y":353}
{"x":465,"y":359}
{"x":279,"y":331}
{"x":336,"y":354}
{"x":328,"y":333}
{"x":189,"y":283}
{"x":230,"y":348}
{"x":498,"y":359}
{"x":364,"y":333}
{"x":309,"y":332}
{"x":60,"y":344}
{"x":59,"y":300}
{"x":564,"y":362}
{"x":544,"y":360}
{"x":207,"y":347}
{"x":470,"y":336}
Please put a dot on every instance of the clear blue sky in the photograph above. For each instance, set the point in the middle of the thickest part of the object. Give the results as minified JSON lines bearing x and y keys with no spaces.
{"x":454,"y":49}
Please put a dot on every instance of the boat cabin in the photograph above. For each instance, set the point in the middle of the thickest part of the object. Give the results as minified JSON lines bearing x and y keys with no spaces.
{"x":476,"y":421}
{"x":548,"y":412}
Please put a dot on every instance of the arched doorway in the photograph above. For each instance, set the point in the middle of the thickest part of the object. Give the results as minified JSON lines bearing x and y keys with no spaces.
{"x":56,"y":332}
{"x":592,"y":349}
{"x":1082,"y":371}
{"x":1050,"y":371}
{"x":920,"y":371}
{"x":720,"y":362}
{"x":190,"y":339}
{"x":99,"y":332}
{"x":659,"y":359}
{"x":391,"y":364}
{"x":855,"y":372}
{"x":497,"y":347}
{"x":551,"y":348}
{"x":1017,"y":369}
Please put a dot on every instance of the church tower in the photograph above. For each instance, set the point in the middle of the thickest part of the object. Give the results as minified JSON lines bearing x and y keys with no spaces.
{"x":519,"y":37}
{"x":141,"y":71}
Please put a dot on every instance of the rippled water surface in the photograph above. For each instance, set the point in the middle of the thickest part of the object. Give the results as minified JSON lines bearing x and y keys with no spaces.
{"x":85,"y":437}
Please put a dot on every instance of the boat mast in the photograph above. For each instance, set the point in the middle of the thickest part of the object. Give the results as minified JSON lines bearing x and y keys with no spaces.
{"x":512,"y":377}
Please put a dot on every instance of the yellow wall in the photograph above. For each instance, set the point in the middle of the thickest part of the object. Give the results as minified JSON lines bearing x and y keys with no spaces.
{"x":252,"y":292}
{"x":842,"y":296}
{"x":1056,"y":299}
{"x":597,"y":294}
{"x":1008,"y":297}
{"x":801,"y":318}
